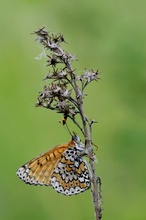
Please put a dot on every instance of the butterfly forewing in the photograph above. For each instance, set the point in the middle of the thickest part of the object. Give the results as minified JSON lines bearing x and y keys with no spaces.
{"x":38,"y":170}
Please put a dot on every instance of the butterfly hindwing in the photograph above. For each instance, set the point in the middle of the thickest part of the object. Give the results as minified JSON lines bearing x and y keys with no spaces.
{"x":71,"y":176}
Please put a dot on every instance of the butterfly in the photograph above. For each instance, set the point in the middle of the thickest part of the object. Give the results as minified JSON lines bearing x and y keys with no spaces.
{"x":62,"y":167}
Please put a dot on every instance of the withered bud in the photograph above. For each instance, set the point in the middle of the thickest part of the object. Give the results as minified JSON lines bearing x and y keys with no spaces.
{"x":88,"y":75}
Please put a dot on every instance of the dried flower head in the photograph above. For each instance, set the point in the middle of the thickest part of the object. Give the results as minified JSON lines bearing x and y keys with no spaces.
{"x":63,"y":92}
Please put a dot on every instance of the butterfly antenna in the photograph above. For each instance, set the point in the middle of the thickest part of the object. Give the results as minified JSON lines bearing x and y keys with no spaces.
{"x":67,"y":128}
{"x":64,"y":122}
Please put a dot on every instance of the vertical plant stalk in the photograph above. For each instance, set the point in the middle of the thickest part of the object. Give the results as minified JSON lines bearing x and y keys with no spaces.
{"x":88,"y":141}
{"x":65,"y":94}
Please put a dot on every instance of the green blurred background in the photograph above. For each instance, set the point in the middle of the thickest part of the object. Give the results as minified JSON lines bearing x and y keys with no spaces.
{"x":105,"y":35}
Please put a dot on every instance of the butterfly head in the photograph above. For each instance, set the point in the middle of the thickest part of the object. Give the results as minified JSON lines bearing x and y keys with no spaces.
{"x":75,"y":137}
{"x":78,"y":144}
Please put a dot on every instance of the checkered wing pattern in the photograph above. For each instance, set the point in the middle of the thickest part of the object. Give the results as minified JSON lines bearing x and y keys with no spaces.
{"x":71,"y":175}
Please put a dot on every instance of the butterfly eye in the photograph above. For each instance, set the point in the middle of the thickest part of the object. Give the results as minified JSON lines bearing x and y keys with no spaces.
{"x":76,"y":138}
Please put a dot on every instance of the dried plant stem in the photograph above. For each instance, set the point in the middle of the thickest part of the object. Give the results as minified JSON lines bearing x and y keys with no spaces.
{"x":88,"y":141}
{"x":91,"y":161}
{"x":57,"y":96}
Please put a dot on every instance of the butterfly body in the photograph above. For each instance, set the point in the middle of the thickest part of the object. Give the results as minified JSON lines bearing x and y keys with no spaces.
{"x":63,"y":168}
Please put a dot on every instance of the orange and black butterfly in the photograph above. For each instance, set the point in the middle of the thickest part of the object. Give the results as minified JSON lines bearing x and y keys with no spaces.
{"x":62,"y":167}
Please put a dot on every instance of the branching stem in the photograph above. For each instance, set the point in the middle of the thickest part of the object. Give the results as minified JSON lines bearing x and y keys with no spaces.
{"x":57,"y":96}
